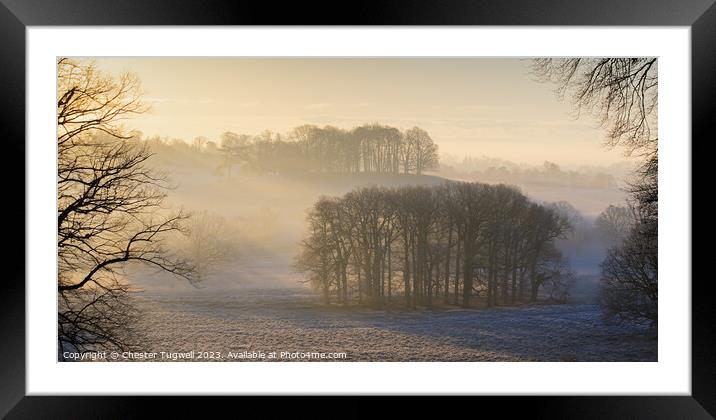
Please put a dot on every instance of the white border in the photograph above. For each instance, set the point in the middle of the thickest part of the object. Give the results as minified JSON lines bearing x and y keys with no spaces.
{"x":671,"y":375}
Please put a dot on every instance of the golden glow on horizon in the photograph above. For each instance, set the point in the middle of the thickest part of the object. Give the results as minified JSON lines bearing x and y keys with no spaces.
{"x":470,"y":106}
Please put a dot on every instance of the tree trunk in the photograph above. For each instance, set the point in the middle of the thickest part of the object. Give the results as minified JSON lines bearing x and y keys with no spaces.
{"x":467,"y":271}
{"x":326,"y":295}
{"x":360,"y":286}
{"x":506,"y":278}
{"x":456,"y":288}
{"x":489,"y":280}
{"x":406,"y":269}
{"x":446,"y":297}
{"x":416,"y":265}
{"x":382,"y":277}
{"x":390,"y":273}
{"x":514,"y":281}
{"x":534,"y":286}
{"x":429,"y":284}
{"x":523,"y":280}
{"x":377,"y":258}
{"x":344,"y":282}
{"x":534,"y":291}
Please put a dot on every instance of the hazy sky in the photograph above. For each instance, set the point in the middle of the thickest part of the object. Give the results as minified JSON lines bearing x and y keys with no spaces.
{"x":476,"y":107}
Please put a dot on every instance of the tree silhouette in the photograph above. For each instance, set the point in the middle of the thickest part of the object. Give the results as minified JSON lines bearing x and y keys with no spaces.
{"x":110,"y":208}
{"x":623,"y":94}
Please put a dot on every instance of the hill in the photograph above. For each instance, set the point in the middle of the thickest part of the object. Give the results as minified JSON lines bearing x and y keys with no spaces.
{"x":266,"y":214}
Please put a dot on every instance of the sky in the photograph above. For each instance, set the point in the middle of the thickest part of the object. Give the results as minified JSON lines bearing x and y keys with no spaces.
{"x":469,"y":106}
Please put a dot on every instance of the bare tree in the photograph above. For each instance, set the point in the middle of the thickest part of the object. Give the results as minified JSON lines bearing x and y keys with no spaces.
{"x":236,"y":149}
{"x":629,"y":274}
{"x":623,"y":94}
{"x":110,"y":207}
{"x":558,"y":278}
{"x":207,"y":243}
{"x":474,"y":211}
{"x":199,"y":143}
{"x":615,"y":223}
{"x":421,"y":151}
{"x":315,"y":258}
{"x":92,"y":318}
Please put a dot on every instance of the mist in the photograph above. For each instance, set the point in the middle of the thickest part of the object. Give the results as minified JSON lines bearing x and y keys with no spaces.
{"x":353,"y":209}
{"x":264,"y":213}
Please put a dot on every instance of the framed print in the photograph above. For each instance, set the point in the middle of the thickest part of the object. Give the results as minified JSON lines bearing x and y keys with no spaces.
{"x":422,"y":202}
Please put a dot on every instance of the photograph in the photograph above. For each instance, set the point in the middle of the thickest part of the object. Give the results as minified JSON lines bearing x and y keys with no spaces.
{"x":357,"y":209}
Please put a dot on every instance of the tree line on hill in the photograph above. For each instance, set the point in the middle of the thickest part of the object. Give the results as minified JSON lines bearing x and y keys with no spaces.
{"x":495,"y":170}
{"x":454,"y":241}
{"x":371,"y":148}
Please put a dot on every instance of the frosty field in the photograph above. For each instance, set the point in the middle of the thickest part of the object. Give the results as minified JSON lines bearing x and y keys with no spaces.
{"x":292,"y":320}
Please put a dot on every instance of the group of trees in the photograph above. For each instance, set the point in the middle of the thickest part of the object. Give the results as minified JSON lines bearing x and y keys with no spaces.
{"x":455,"y":241}
{"x":371,"y":148}
{"x":623,"y":94}
{"x":485,"y":169}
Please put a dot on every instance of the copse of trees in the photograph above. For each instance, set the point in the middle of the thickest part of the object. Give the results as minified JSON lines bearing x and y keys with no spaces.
{"x":371,"y":148}
{"x":424,"y":244}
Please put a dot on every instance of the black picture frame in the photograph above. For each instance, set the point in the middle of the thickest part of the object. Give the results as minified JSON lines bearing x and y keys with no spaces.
{"x":16,"y":15}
